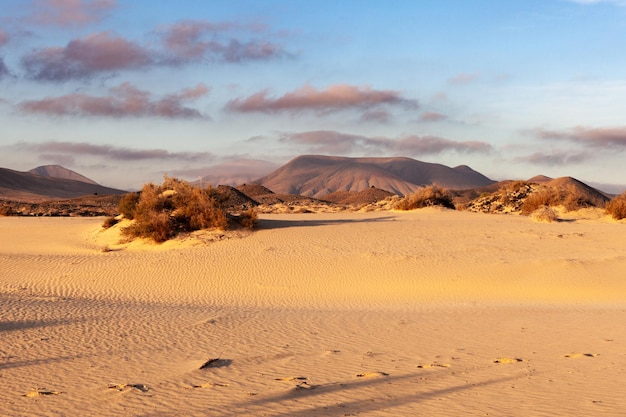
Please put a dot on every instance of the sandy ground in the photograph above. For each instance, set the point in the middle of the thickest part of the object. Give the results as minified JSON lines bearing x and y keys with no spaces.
{"x":433,"y":313}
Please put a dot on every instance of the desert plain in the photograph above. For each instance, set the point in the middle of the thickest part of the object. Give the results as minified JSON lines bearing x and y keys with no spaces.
{"x":429,"y":312}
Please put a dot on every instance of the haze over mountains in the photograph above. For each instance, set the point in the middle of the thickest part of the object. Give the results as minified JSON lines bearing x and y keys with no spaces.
{"x":313,"y":176}
{"x":316,"y":176}
{"x":48,"y":182}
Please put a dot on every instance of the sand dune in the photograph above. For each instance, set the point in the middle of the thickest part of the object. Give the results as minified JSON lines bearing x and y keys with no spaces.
{"x":430,"y":312}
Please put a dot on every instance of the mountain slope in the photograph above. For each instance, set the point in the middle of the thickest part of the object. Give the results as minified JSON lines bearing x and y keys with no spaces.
{"x":57,"y":171}
{"x":317,"y":176}
{"x":30,"y":187}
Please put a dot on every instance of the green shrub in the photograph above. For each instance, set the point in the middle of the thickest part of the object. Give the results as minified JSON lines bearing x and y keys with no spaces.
{"x":426,"y":197}
{"x":617,"y":207}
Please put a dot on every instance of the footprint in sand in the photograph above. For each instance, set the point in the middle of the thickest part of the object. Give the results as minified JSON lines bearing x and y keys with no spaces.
{"x":433,"y":365}
{"x":581,"y":355}
{"x":302,"y":382}
{"x":508,"y":360}
{"x":41,"y":392}
{"x":209,"y":385}
{"x":372,"y":374}
{"x":128,"y":387}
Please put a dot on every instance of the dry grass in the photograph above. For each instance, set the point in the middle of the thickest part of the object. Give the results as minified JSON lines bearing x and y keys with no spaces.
{"x":426,"y":197}
{"x":545,"y":214}
{"x":160,"y":212}
{"x":617,"y":207}
{"x":570,"y":197}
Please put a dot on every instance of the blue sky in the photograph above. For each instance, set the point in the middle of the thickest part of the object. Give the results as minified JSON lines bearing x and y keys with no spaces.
{"x":126,"y":91}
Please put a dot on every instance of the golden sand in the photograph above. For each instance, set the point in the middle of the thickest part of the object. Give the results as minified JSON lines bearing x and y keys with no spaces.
{"x":430,"y":312}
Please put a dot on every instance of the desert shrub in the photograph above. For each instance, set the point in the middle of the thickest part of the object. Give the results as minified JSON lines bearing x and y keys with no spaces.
{"x":426,"y":197}
{"x":617,"y":207}
{"x":109,"y":222}
{"x":127,"y":205}
{"x":163,"y":211}
{"x":6,"y":210}
{"x":545,"y":214}
{"x":570,"y":197}
{"x":543,"y":198}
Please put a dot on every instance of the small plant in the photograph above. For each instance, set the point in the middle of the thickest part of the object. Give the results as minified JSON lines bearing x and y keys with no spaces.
{"x":109,"y":222}
{"x":127,"y":205}
{"x":545,"y":214}
{"x":426,"y":197}
{"x":617,"y":207}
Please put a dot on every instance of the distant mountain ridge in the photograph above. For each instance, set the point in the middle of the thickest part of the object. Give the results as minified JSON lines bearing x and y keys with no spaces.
{"x":57,"y":171}
{"x":54,"y":183}
{"x":317,"y":175}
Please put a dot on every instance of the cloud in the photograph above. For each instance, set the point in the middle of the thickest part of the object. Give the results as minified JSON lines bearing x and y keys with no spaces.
{"x":464,"y":78}
{"x":594,"y":137}
{"x":195,"y":40}
{"x":430,"y":116}
{"x":69,"y":12}
{"x":66,"y":149}
{"x":377,"y":116}
{"x":335,"y":97}
{"x":554,"y":158}
{"x":4,"y":71}
{"x":332,"y":142}
{"x":123,"y":101}
{"x":84,"y":58}
{"x":4,"y":38}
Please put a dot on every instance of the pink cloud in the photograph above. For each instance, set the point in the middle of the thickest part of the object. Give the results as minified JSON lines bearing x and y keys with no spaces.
{"x":431,"y":116}
{"x":193,"y":40}
{"x":4,"y":38}
{"x":587,"y":136}
{"x":69,"y":12}
{"x":554,"y":158}
{"x":334,"y":97}
{"x":123,"y":101}
{"x":83,"y":58}
{"x":66,"y":149}
{"x":332,"y":142}
{"x":464,"y":78}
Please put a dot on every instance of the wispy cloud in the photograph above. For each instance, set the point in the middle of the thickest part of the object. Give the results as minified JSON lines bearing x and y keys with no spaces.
{"x":335,"y":97}
{"x":123,"y":101}
{"x":84,"y":58}
{"x":464,"y":78}
{"x":332,"y":142}
{"x":554,"y":158}
{"x":4,"y":38}
{"x":197,"y":40}
{"x":595,"y":137}
{"x":69,"y":12}
{"x":431,"y":116}
{"x":67,"y":149}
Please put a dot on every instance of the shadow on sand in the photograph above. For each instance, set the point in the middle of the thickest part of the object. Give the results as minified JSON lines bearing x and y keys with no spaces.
{"x":281,"y":224}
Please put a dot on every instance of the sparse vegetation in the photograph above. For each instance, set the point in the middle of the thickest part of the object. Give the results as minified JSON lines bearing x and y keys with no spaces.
{"x":160,"y":212}
{"x":545,"y":214}
{"x":426,"y":197}
{"x":109,"y":222}
{"x":569,"y":197}
{"x":617,"y":207}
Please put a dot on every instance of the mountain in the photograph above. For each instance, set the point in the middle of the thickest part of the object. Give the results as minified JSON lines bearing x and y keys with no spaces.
{"x":57,"y":171}
{"x":240,"y":171}
{"x":317,"y":176}
{"x":32,"y":187}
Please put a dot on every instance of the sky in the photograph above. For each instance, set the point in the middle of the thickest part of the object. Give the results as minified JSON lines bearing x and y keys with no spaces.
{"x":126,"y":91}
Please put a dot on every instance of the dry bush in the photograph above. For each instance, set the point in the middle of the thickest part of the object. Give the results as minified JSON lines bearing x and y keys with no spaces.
{"x":163,"y":211}
{"x":617,"y":207}
{"x":426,"y":197}
{"x":570,"y":197}
{"x":109,"y":222}
{"x":545,"y":214}
{"x":127,"y":205}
